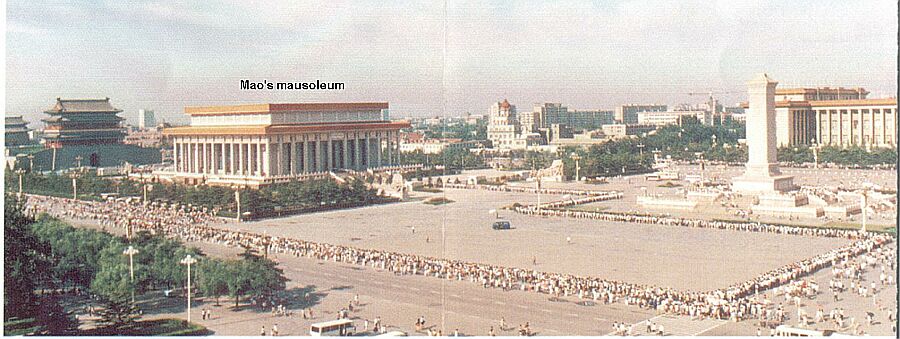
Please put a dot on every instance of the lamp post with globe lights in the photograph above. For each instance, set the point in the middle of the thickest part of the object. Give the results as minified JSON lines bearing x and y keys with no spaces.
{"x":864,"y":201}
{"x":130,"y":252}
{"x":75,"y":176}
{"x":188,"y":260}
{"x":20,"y":172}
{"x":576,"y":157}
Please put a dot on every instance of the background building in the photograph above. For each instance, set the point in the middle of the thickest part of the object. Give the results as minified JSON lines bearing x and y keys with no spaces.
{"x":673,"y":117}
{"x":841,"y":117}
{"x":820,"y":94}
{"x":622,"y":130}
{"x":143,"y":137}
{"x":261,"y":144}
{"x":548,"y":114}
{"x":87,"y":132}
{"x":628,"y":114}
{"x":82,"y":122}
{"x":867,"y":123}
{"x":146,"y":119}
{"x":435,"y":146}
{"x":16,"y":131}
{"x":589,"y":119}
{"x":503,"y":128}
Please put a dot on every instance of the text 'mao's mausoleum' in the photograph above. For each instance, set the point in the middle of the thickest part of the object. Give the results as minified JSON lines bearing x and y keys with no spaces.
{"x":266,"y":143}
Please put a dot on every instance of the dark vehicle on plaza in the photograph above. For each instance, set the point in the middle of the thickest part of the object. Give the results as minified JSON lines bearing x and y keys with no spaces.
{"x":501,"y":225}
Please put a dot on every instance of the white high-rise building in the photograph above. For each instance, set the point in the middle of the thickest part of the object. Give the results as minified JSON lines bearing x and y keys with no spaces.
{"x":503,"y":128}
{"x":146,"y":119}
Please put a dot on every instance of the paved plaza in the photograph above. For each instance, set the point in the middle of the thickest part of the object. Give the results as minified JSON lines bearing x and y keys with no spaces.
{"x":449,"y":305}
{"x":686,"y":259}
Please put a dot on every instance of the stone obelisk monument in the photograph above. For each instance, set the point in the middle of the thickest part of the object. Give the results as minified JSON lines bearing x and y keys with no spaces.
{"x":762,"y":174}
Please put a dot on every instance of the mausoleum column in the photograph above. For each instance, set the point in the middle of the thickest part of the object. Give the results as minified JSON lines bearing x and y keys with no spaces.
{"x":196,"y":155}
{"x":390,"y":160}
{"x":345,"y":154}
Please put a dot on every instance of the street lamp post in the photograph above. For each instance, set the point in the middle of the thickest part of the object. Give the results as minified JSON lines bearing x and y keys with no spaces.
{"x":130,"y":252}
{"x":641,"y":149}
{"x":702,"y":168}
{"x":864,"y":201}
{"x":576,"y":157}
{"x":815,"y":149}
{"x":188,"y":260}
{"x":74,"y":176}
{"x":20,"y":172}
{"x":31,"y":162}
{"x":237,"y":201}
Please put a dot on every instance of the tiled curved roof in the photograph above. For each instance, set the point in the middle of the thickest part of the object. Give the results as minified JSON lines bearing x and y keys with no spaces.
{"x":82,"y":106}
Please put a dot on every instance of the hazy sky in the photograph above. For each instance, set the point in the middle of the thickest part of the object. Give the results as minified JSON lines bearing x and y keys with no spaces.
{"x":438,"y":58}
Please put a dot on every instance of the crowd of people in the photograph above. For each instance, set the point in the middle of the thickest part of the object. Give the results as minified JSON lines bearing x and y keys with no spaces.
{"x":122,"y":213}
{"x":737,"y":302}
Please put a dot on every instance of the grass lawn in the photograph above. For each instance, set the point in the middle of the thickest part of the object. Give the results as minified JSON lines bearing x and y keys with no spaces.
{"x":856,"y":225}
{"x":15,"y":327}
{"x":437,"y":201}
{"x":831,"y":224}
{"x":427,"y":189}
{"x":161,"y":327}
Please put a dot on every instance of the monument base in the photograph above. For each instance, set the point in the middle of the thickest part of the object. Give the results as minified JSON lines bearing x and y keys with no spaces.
{"x":842,"y":211}
{"x":784,"y":205}
{"x":761,"y":184}
{"x":784,"y":211}
{"x":658,"y":202}
{"x":783,"y":200}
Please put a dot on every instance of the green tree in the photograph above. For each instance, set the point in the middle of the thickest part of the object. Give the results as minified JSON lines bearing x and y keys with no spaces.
{"x":113,"y":281}
{"x":254,"y":275}
{"x":212,"y":278}
{"x":54,"y":318}
{"x":118,"y":313}
{"x":238,"y":280}
{"x":24,"y":255}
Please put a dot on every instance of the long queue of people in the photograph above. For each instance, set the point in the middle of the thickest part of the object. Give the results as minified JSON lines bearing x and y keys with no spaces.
{"x":520,"y":189}
{"x":737,"y":302}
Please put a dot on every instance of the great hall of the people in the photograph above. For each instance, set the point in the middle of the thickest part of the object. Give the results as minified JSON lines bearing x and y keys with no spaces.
{"x":839,"y":117}
{"x":261,"y":144}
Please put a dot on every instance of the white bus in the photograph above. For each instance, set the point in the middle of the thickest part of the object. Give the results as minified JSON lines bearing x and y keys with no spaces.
{"x":334,"y":328}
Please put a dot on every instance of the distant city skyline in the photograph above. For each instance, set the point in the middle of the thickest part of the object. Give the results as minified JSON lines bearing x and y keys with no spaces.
{"x":439,"y":59}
